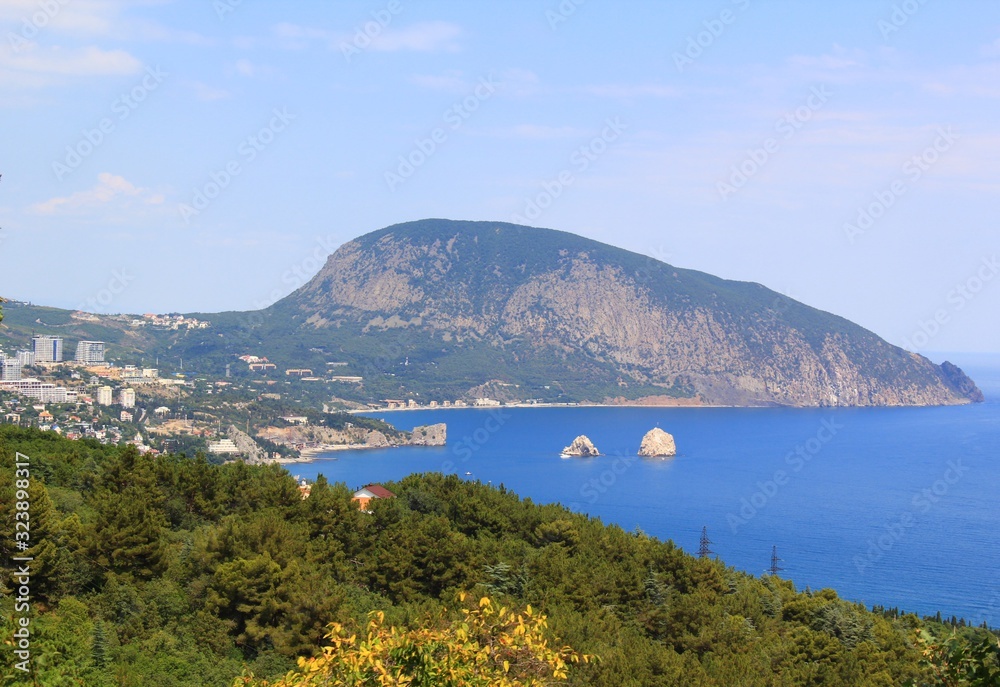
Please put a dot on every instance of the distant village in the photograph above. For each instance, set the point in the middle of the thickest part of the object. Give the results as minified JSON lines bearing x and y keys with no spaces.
{"x":94,"y":398}
{"x":83,"y":395}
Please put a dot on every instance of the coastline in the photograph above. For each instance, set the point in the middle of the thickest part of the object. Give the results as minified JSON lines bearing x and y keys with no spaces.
{"x":655,"y":405}
{"x":308,"y":455}
{"x":554,"y":405}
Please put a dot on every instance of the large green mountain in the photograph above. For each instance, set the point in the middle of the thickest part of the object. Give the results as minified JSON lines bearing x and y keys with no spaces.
{"x":460,"y":308}
{"x":440,"y":309}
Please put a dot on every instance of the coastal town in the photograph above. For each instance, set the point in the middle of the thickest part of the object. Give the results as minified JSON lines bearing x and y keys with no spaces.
{"x":76,"y":389}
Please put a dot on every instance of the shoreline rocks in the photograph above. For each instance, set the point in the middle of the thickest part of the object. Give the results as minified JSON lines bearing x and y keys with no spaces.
{"x":657,"y":444}
{"x":429,"y":435}
{"x":376,"y":439}
{"x":582,"y":447}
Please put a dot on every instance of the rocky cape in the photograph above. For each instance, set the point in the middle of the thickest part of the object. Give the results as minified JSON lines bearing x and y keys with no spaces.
{"x":657,"y":443}
{"x":445,"y":310}
{"x":598,"y":320}
{"x":316,"y":439}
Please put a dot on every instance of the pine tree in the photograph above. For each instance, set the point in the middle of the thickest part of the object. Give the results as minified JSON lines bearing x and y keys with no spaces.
{"x":99,"y":647}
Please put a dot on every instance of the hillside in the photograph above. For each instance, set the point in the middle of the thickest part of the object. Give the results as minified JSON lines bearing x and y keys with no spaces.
{"x":443,"y":310}
{"x":471,"y":303}
{"x":171,"y":571}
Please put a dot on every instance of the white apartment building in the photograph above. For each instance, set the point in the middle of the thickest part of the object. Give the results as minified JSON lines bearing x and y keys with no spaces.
{"x":104,"y":395}
{"x":222,"y":446}
{"x":10,"y":370}
{"x":47,"y":349}
{"x":37,"y":389}
{"x":127,"y":397}
{"x":90,"y":352}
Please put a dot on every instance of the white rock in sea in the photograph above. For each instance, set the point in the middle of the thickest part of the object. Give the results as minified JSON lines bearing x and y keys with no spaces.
{"x":658,"y":443}
{"x":582,"y":447}
{"x":429,"y":435}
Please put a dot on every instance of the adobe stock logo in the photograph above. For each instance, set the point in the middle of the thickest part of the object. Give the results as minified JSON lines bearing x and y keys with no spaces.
{"x":580,"y":161}
{"x":796,"y":460}
{"x":30,"y":26}
{"x":100,"y":302}
{"x":957,"y":299}
{"x":901,"y":14}
{"x":425,"y":148}
{"x":248,"y":150}
{"x":922,"y":502}
{"x":705,"y":39}
{"x":595,"y":486}
{"x":562,"y":13}
{"x":370,"y":30}
{"x":787,"y":126}
{"x":913,"y":170}
{"x":123,"y":106}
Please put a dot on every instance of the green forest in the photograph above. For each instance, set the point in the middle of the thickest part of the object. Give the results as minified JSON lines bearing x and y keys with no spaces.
{"x":171,"y":571}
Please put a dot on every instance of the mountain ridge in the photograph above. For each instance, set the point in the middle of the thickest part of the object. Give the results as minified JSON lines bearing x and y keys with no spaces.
{"x":548,"y":292}
{"x":444,"y":310}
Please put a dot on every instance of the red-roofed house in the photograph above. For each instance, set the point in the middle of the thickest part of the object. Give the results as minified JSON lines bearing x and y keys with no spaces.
{"x":372,"y":491}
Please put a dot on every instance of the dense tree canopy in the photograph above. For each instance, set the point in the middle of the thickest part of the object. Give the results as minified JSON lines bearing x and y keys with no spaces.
{"x":171,"y":571}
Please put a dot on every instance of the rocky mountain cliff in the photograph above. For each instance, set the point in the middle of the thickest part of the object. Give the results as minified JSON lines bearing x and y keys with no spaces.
{"x":471,"y":306}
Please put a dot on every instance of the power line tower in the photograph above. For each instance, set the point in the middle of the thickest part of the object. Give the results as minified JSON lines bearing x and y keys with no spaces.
{"x":703,"y":550}
{"x":775,"y":568}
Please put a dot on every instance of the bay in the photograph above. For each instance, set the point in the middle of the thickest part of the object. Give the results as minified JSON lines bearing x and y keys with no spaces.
{"x":888,"y":506}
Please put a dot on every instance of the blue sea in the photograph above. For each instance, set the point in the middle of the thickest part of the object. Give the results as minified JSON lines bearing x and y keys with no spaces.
{"x":888,"y":506}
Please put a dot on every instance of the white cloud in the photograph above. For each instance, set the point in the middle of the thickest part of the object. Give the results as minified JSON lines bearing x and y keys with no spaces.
{"x":55,"y":61}
{"x":980,"y":81}
{"x":249,"y":70}
{"x":428,"y":36}
{"x":519,"y":82}
{"x":295,"y":37}
{"x":627,"y":91}
{"x":33,"y":19}
{"x":452,"y":81}
{"x":89,"y":17}
{"x":207,"y":93}
{"x":991,"y":50}
{"x":542,"y":132}
{"x":837,"y":61}
{"x":110,"y":190}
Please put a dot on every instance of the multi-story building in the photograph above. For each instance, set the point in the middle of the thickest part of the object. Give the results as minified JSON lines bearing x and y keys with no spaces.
{"x":104,"y":395}
{"x":223,"y":446}
{"x":90,"y":352}
{"x":10,"y":370}
{"x":26,"y":358}
{"x":127,"y":397}
{"x":45,"y":392}
{"x":47,"y":349}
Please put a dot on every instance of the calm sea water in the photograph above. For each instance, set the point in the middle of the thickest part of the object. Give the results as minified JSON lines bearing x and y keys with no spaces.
{"x":891,"y":506}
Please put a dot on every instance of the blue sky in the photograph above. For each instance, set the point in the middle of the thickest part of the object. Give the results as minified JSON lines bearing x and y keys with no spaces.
{"x":203,"y":156}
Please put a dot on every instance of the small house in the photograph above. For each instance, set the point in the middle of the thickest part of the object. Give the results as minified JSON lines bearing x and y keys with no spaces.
{"x":365,"y":494}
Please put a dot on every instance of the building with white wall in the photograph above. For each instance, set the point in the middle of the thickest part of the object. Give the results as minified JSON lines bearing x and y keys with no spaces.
{"x":47,"y":349}
{"x":90,"y":352}
{"x":104,"y":395}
